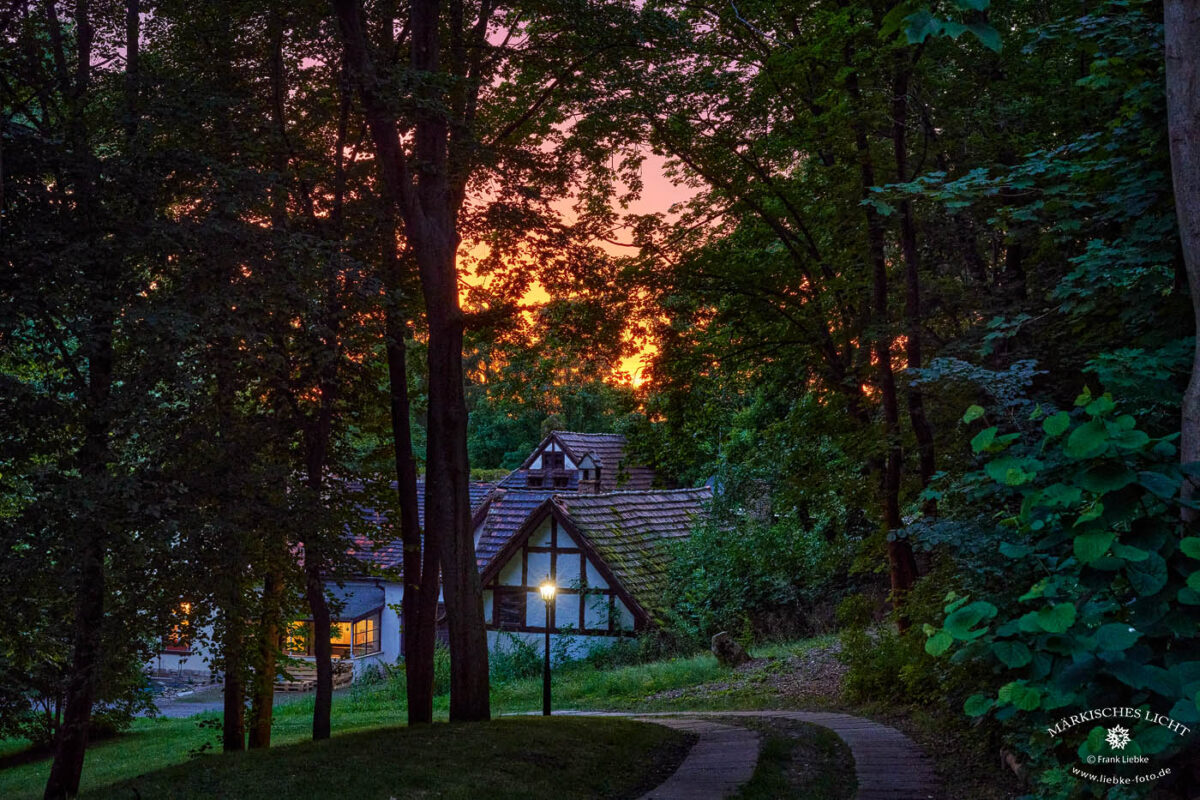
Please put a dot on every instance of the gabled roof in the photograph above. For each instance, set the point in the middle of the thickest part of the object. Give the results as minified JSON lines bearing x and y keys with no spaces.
{"x":633,"y":532}
{"x":389,"y":554}
{"x":628,"y":533}
{"x":606,"y":449}
{"x":506,"y":512}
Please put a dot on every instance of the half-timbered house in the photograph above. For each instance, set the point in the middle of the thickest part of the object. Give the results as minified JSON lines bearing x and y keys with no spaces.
{"x":578,"y":512}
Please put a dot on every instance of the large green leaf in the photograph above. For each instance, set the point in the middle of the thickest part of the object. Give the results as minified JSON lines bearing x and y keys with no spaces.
{"x":1164,"y":486}
{"x":1190,"y":546}
{"x":977,"y":705}
{"x":972,"y":413}
{"x":961,"y":624}
{"x":983,"y":440}
{"x":1193,"y":581}
{"x":1088,"y":440}
{"x":1057,"y":618}
{"x":1147,"y":577}
{"x":1023,"y":697}
{"x":988,"y":36}
{"x":1009,"y":470}
{"x":1116,"y":636}
{"x":938,"y":643}
{"x":1014,"y":654}
{"x":1090,"y":546}
{"x":1104,"y":478}
{"x":1057,"y":424}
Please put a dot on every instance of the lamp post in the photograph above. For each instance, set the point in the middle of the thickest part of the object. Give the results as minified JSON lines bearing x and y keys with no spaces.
{"x":547,"y":590}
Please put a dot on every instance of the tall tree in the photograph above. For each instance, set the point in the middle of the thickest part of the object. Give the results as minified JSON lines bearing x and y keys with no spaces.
{"x":1181,"y":22}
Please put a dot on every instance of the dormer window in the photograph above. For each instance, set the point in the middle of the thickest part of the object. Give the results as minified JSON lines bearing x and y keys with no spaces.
{"x":552,"y":461}
{"x":587,"y":474}
{"x":561,"y":482}
{"x":535,"y":481}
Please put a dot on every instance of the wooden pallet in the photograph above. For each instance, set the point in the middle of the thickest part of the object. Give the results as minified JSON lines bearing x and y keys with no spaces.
{"x":304,"y":678}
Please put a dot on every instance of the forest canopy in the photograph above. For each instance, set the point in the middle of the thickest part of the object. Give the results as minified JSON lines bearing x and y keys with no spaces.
{"x":906,"y":282}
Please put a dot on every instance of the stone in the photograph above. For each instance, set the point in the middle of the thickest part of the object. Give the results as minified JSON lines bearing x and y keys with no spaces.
{"x":728,"y":652}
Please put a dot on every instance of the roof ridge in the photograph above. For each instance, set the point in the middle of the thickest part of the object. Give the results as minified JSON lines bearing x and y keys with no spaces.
{"x":630,"y":492}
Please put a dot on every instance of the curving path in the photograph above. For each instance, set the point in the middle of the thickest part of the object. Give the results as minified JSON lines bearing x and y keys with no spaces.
{"x":888,"y":765}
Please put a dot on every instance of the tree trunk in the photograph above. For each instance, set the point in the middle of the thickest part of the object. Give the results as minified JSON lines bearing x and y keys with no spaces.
{"x":427,"y":206}
{"x":233,"y":654}
{"x":447,"y":501}
{"x":1181,"y":22}
{"x":262,"y":696}
{"x":420,"y":585}
{"x":323,"y":648}
{"x":94,"y":455}
{"x":901,"y":564}
{"x":447,"y":491}
{"x":912,"y":281}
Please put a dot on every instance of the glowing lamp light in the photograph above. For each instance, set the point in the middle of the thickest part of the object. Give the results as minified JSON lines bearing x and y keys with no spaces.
{"x":547,"y":589}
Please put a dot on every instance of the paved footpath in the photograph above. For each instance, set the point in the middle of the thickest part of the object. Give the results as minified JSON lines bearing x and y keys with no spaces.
{"x":888,"y":765}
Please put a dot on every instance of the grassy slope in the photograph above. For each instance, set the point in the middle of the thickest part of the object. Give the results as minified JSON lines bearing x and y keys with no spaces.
{"x":509,"y":758}
{"x":156,"y":743}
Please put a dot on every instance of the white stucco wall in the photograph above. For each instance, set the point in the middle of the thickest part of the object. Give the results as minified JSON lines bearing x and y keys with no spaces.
{"x":576,"y":646}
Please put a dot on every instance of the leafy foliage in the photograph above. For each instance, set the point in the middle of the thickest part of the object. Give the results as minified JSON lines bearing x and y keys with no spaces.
{"x":1102,"y":606}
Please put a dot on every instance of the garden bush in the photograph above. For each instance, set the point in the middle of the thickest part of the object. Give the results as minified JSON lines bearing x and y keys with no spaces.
{"x":1102,"y":605}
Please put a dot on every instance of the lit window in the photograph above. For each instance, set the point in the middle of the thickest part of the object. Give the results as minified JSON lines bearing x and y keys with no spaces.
{"x":366,"y":636}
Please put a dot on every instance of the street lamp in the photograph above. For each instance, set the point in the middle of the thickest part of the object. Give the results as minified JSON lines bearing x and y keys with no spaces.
{"x":547,"y":590}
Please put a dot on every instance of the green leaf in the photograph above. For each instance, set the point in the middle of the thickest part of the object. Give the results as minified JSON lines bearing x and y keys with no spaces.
{"x":1129,"y":553}
{"x":1161,"y":485}
{"x":1087,"y":441}
{"x":1100,"y":407}
{"x":983,"y":440}
{"x":1186,"y":711}
{"x":977,"y":705}
{"x":938,"y":643}
{"x":1091,"y":546}
{"x":1009,"y":471}
{"x":972,"y":413}
{"x":961,"y":624}
{"x":1020,"y":695}
{"x":1116,"y":636}
{"x":920,"y":26}
{"x":1190,"y":546}
{"x":1193,"y":581}
{"x":1014,"y":654}
{"x":988,"y":36}
{"x":1104,"y":478}
{"x":1057,"y":618}
{"x":1147,"y":577}
{"x":1057,"y":424}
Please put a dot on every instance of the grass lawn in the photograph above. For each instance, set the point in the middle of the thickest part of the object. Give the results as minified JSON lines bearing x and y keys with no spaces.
{"x":527,"y":757}
{"x":153,"y":744}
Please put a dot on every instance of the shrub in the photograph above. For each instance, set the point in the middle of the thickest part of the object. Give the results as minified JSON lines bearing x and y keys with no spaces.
{"x":754,"y":578}
{"x":513,"y":658}
{"x":1102,"y":606}
{"x":441,"y":669}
